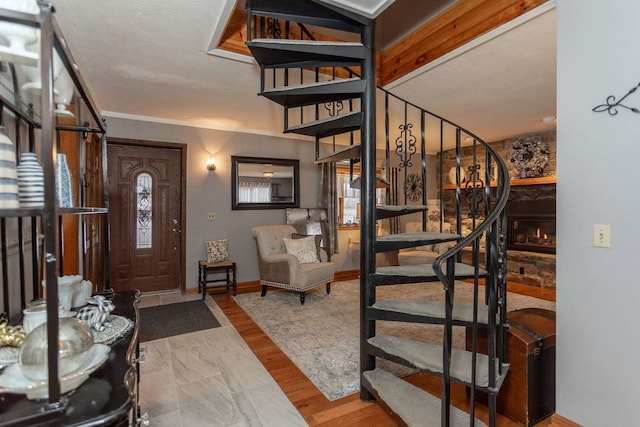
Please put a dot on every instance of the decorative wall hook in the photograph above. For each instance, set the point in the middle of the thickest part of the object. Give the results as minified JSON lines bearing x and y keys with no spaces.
{"x":611,"y":106}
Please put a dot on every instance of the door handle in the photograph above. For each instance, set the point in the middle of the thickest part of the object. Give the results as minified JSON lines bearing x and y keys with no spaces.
{"x":174,"y":229}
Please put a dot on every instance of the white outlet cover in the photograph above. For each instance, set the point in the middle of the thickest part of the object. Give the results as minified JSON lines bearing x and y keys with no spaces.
{"x":602,"y":235}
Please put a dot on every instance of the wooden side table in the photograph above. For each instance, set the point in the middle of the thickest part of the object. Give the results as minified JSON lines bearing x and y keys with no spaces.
{"x":205,"y":268}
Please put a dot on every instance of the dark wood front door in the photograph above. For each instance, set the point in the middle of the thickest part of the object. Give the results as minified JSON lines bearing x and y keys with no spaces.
{"x":145,"y":194}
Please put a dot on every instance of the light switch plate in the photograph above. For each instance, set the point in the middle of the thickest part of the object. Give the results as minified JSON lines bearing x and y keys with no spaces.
{"x":601,"y":235}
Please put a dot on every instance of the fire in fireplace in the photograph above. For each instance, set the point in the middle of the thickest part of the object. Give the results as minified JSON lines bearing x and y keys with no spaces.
{"x":532,"y":226}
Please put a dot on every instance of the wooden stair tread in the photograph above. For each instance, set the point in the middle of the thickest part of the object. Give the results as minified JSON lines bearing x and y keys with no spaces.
{"x":304,"y":12}
{"x":398,"y":274}
{"x":348,"y":152}
{"x":428,"y":312}
{"x":413,"y":406}
{"x":428,"y":358}
{"x":390,"y":211}
{"x":389,"y":242}
{"x":316,"y":93}
{"x":329,"y":126}
{"x":305,"y":53}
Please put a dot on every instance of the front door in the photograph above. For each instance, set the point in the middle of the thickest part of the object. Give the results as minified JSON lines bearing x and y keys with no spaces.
{"x":145,"y":194}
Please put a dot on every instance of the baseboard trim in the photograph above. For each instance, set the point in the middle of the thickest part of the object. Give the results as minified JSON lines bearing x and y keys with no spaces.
{"x":254,"y":285}
{"x":346,"y":275}
{"x":560,"y":421}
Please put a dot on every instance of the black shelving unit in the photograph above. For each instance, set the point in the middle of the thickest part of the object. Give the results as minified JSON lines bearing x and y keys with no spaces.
{"x":30,"y":239}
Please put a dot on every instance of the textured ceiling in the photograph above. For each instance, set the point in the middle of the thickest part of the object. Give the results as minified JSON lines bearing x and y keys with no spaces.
{"x":148,"y":59}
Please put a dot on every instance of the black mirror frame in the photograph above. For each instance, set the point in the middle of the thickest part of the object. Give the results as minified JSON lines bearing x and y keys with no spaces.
{"x":236,"y":160}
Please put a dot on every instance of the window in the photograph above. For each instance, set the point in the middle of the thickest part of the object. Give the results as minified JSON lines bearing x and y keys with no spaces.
{"x":349,"y":199}
{"x":143,"y":224}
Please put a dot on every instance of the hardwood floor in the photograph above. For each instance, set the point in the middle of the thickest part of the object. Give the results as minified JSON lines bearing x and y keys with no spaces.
{"x":317,"y":410}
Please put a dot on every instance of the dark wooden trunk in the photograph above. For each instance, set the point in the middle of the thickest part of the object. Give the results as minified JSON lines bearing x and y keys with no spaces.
{"x":528,"y":393}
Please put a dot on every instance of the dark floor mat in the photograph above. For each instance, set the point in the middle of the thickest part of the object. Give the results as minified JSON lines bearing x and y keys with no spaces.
{"x":175,"y":319}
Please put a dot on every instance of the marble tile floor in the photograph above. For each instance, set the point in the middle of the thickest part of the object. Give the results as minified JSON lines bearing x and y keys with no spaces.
{"x":208,"y":378}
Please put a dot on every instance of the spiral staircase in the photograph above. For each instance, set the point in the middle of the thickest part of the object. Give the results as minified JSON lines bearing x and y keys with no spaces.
{"x":328,"y":91}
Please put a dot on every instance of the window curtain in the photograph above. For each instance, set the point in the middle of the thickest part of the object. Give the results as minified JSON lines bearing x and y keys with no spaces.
{"x":330,"y":203}
{"x":254,"y":192}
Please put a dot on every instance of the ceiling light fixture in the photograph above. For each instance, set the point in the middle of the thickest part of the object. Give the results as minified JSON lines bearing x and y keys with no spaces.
{"x":267,"y":174}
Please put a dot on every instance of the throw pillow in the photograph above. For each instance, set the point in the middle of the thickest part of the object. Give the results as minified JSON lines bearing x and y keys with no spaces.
{"x":217,"y":250}
{"x":304,"y":249}
{"x":318,"y":241}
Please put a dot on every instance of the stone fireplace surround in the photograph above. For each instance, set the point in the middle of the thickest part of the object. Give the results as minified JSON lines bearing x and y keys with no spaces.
{"x":529,"y":268}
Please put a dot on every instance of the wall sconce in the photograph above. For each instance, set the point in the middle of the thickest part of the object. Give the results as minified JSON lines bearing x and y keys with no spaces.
{"x":267,"y":174}
{"x":211,"y":164}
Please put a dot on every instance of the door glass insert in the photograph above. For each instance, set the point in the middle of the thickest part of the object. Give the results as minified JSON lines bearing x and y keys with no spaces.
{"x":143,"y":224}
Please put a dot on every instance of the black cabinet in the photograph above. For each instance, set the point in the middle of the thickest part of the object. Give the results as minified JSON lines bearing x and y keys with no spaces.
{"x":108,"y":397}
{"x":35,"y":242}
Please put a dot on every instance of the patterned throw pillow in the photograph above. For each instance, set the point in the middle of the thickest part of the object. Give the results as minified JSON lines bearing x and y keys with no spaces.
{"x":304,"y":249}
{"x":217,"y":250}
{"x":317,"y":238}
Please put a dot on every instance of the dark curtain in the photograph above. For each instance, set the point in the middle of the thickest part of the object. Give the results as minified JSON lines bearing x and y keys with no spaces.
{"x":330,"y":203}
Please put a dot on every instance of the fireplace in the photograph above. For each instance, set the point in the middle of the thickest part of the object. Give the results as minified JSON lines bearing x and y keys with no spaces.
{"x":532,"y":226}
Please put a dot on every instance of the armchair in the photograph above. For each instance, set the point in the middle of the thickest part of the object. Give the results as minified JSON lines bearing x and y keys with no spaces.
{"x":423,"y":254}
{"x":281,"y":269}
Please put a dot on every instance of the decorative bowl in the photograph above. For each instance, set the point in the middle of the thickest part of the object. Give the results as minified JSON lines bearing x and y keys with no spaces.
{"x":75,"y":340}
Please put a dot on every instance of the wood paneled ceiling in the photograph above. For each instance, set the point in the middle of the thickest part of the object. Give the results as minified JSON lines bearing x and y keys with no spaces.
{"x":456,"y":26}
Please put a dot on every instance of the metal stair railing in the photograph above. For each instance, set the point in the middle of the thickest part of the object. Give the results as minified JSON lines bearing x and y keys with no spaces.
{"x":482,"y":198}
{"x":259,"y":26}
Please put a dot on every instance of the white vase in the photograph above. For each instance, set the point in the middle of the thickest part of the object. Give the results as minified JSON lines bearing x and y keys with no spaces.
{"x":452,"y":175}
{"x":8,"y":173}
{"x":64,"y":183}
{"x":64,"y":88}
{"x":66,"y":288}
{"x":30,"y":181}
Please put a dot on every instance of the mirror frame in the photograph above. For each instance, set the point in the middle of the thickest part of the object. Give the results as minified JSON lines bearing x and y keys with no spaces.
{"x":235,"y":163}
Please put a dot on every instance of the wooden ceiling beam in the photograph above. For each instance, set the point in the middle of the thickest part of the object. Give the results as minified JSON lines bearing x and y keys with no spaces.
{"x":461,"y":23}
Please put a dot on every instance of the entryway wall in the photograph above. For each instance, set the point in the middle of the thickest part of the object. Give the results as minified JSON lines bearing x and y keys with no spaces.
{"x":211,"y":191}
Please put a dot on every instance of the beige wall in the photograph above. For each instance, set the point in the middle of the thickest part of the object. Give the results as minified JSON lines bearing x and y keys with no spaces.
{"x":211,"y":191}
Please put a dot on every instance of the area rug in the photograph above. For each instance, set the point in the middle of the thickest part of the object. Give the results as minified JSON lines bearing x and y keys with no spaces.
{"x":167,"y":320}
{"x":322,"y":336}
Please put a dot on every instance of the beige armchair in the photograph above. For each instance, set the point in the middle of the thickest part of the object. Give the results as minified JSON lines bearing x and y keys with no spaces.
{"x":284,"y":270}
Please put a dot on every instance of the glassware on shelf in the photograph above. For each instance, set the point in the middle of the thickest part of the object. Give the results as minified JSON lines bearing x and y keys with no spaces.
{"x":16,"y":37}
{"x":32,"y":73}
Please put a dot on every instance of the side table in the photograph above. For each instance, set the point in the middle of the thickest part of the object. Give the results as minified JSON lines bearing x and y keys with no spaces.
{"x":205,"y":268}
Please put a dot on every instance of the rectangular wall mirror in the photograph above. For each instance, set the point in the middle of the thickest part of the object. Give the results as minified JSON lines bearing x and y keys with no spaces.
{"x":264,"y":183}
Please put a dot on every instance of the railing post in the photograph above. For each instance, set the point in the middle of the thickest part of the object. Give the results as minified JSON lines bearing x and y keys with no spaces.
{"x":367,"y":201}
